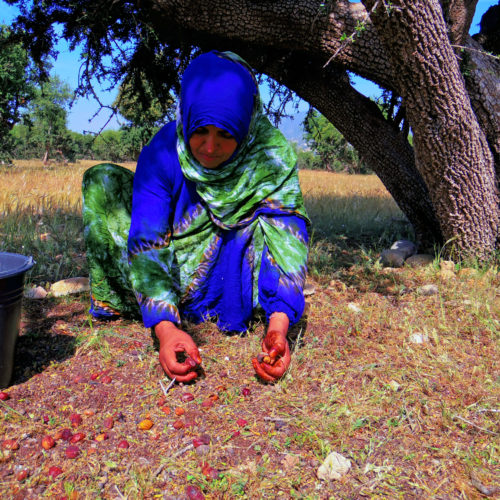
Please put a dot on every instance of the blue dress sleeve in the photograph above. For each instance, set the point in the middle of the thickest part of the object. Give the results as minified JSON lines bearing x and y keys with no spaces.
{"x":151,"y":256}
{"x":281,"y":286}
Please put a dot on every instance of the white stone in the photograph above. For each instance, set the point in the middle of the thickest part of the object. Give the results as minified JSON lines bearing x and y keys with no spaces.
{"x":69,"y":286}
{"x":428,"y":290}
{"x":334,"y":467}
{"x":35,"y":293}
{"x":354,"y":307}
{"x":418,"y":338}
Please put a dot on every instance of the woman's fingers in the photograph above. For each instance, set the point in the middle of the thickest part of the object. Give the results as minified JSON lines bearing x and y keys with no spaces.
{"x":259,"y":370}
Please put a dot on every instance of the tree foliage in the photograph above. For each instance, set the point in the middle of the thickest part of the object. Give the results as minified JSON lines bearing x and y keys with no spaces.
{"x":445,"y":182}
{"x":332,"y":151}
{"x":16,"y":87}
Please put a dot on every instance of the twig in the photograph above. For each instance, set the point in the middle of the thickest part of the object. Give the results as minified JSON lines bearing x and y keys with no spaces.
{"x":487,"y":410}
{"x":120,"y":493}
{"x":159,"y":470}
{"x":166,"y":389}
{"x":476,"y":426}
{"x":484,"y":53}
{"x":9,"y":408}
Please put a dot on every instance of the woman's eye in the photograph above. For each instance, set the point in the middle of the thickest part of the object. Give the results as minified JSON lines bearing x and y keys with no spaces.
{"x":200,"y":131}
{"x":226,"y":135}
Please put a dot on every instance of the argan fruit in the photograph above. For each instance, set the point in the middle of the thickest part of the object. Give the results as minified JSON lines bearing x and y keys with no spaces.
{"x":54,"y":471}
{"x":208,"y":403}
{"x":75,"y":419}
{"x":178,"y":424}
{"x":108,"y":423}
{"x":106,"y":379}
{"x":241,"y":422}
{"x":245,"y":391}
{"x":94,"y":376}
{"x":10,"y":444}
{"x":72,"y":452}
{"x":179,"y":411}
{"x":76,"y":438}
{"x":64,"y":434}
{"x":213,"y":397}
{"x":4,"y":396}
{"x":123,"y":444}
{"x":209,"y":472}
{"x":145,"y":424}
{"x":194,"y":493}
{"x":101,"y":437}
{"x":48,"y":442}
{"x":22,"y":475}
{"x":161,"y":402}
{"x":166,"y":410}
{"x":88,"y":413}
{"x":186,"y":397}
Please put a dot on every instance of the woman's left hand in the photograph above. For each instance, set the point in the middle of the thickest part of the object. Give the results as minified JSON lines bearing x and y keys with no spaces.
{"x":277,"y":359}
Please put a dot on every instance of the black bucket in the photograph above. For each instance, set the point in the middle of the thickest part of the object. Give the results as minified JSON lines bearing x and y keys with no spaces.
{"x":12,"y":270}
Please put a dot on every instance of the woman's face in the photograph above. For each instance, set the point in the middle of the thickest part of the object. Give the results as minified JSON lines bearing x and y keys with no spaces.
{"x":211,"y":145}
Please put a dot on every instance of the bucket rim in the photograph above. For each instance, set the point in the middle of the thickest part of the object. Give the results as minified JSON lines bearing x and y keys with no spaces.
{"x":25,"y":264}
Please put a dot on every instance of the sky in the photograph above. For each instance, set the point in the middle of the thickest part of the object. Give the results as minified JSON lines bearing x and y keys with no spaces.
{"x":81,"y":116}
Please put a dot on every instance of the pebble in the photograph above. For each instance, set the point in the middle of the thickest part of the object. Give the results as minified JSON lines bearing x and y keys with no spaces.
{"x":354,"y":308}
{"x":418,"y":338}
{"x":408,"y":248}
{"x":392,"y":258}
{"x":419,"y":260}
{"x":428,"y":290}
{"x":70,"y":286}
{"x":35,"y":293}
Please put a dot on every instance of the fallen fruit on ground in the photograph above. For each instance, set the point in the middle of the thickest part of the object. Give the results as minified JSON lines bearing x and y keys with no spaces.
{"x":75,"y":419}
{"x":194,"y":493}
{"x":166,"y":410}
{"x":209,"y":472}
{"x":76,"y":438}
{"x":72,"y":452}
{"x":54,"y":471}
{"x":10,"y":444}
{"x":48,"y":442}
{"x":245,"y":391}
{"x":123,"y":444}
{"x":64,"y":434}
{"x":145,"y":424}
{"x":180,"y":411}
{"x":208,"y":403}
{"x":187,"y":396}
{"x":4,"y":396}
{"x":22,"y":475}
{"x":101,"y":437}
{"x":178,"y":424}
{"x":106,"y":379}
{"x":241,"y":422}
{"x":108,"y":423}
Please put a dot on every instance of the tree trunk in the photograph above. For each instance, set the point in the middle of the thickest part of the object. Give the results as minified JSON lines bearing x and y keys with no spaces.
{"x":450,"y":175}
{"x":451,"y":150}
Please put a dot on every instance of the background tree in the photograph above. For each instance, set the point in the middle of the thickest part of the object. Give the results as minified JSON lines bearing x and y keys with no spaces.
{"x":332,"y":151}
{"x":446,"y":183}
{"x":16,"y":88}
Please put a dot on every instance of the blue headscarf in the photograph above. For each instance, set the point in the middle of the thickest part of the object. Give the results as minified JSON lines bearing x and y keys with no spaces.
{"x":217,"y":91}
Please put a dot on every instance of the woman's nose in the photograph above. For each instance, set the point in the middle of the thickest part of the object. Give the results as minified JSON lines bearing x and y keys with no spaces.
{"x":211,"y":143}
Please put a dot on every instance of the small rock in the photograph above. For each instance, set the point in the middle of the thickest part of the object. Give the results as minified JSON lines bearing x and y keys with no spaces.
{"x":35,"y":293}
{"x":446,"y":274}
{"x":334,"y":467}
{"x":309,"y":290}
{"x":394,"y":385}
{"x":70,"y":286}
{"x":418,"y":338}
{"x":289,"y":462}
{"x":419,"y":260}
{"x":447,"y":265}
{"x":354,"y":307}
{"x":428,"y":290}
{"x":408,"y":248}
{"x":392,"y":258}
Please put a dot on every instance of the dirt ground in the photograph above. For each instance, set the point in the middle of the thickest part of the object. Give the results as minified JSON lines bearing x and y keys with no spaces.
{"x":415,"y":420}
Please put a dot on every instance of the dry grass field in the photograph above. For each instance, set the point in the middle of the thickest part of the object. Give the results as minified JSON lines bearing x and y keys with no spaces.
{"x":403,"y":383}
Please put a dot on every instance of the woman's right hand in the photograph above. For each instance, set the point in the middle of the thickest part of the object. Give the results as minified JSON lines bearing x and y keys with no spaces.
{"x":174,"y":341}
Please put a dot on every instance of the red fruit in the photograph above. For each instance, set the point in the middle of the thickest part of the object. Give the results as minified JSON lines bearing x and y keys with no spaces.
{"x":207,"y":403}
{"x":123,"y":444}
{"x":166,"y":410}
{"x":101,"y":437}
{"x":10,"y":444}
{"x":108,"y":423}
{"x":72,"y":452}
{"x":161,"y":401}
{"x":245,"y":391}
{"x":48,"y":442}
{"x":209,"y":472}
{"x":78,"y":379}
{"x":45,"y":419}
{"x":4,"y":396}
{"x":76,"y":438}
{"x":54,"y":471}
{"x":94,"y":376}
{"x":137,"y":343}
{"x":22,"y":475}
{"x":106,"y":379}
{"x":236,"y":434}
{"x":180,"y":411}
{"x":178,"y":424}
{"x":213,"y":397}
{"x":201,"y":440}
{"x":241,"y":422}
{"x":187,"y":396}
{"x":64,"y":434}
{"x":194,"y":493}
{"x":75,"y":419}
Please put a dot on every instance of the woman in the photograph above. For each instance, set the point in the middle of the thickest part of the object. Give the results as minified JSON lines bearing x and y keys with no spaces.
{"x":215,"y":227}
